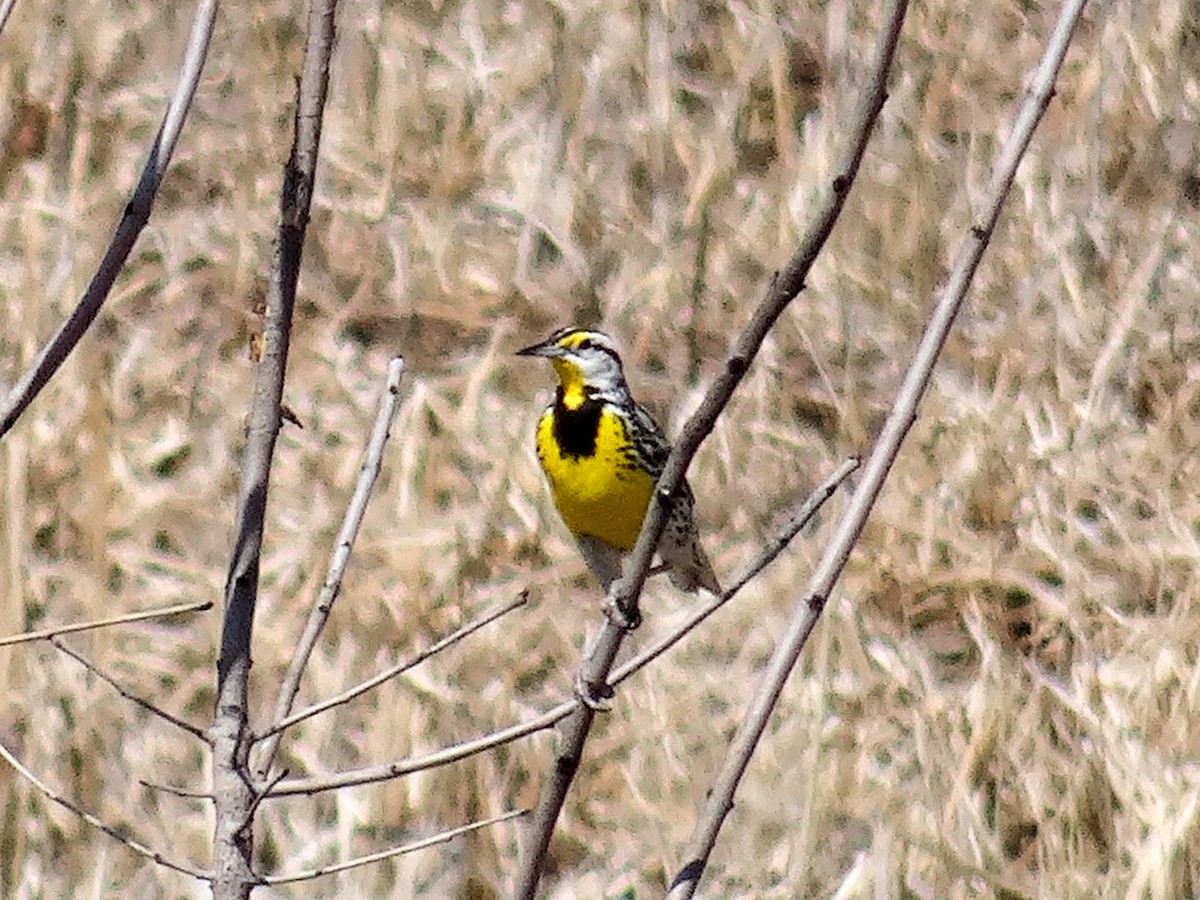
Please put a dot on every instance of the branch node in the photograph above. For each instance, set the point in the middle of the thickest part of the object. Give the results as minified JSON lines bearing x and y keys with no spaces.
{"x":625,"y":616}
{"x":690,"y":872}
{"x":594,"y":696}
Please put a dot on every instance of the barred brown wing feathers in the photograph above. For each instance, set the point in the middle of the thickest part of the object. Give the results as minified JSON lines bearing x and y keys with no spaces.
{"x":650,"y":441}
{"x":654,"y":448}
{"x":680,"y":548}
{"x":687,"y":563}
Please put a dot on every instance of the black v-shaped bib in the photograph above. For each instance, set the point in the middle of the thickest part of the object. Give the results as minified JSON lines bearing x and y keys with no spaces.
{"x":575,"y":429}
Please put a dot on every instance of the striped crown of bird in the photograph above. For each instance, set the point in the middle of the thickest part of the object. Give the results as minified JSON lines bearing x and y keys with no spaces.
{"x":602,"y":454}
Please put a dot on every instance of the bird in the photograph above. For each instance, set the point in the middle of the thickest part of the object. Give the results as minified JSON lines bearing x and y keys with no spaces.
{"x":602,"y":454}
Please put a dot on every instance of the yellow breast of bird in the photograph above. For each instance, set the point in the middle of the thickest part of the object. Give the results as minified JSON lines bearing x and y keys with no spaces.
{"x":598,"y":487}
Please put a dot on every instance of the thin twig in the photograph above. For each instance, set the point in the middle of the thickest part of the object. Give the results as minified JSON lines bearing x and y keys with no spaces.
{"x":901,"y":417}
{"x":233,"y":793}
{"x":442,"y":838}
{"x":6,"y":9}
{"x":368,"y":473}
{"x":114,"y":833}
{"x":390,"y":673}
{"x":551,"y":717}
{"x":261,"y":795}
{"x":57,"y":630}
{"x":133,"y":220}
{"x":400,"y":768}
{"x":770,"y":551}
{"x":174,"y":791}
{"x":791,"y":526}
{"x":167,"y":717}
{"x":624,"y":594}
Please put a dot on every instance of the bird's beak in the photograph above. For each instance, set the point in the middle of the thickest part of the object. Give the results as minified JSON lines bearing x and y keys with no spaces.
{"x":546,"y":349}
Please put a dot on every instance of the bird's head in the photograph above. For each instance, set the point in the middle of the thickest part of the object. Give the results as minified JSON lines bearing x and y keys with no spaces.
{"x":585,"y":361}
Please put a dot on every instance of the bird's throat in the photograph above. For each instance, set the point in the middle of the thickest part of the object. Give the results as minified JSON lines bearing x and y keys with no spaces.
{"x":571,"y":391}
{"x":576,"y":426}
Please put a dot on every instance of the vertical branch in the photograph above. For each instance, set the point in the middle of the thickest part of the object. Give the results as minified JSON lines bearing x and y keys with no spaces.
{"x":699,"y":287}
{"x":877,"y":466}
{"x":233,"y":837}
{"x":133,"y":220}
{"x":624,"y":593}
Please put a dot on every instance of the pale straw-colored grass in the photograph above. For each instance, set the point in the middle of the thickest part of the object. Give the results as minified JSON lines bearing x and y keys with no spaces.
{"x":1000,"y":696}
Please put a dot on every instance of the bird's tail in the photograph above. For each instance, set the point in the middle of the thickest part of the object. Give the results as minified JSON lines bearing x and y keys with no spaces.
{"x":688,"y":566}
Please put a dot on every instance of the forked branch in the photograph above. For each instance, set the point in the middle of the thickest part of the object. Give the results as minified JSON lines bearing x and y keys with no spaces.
{"x":784,"y":534}
{"x":233,"y":794}
{"x":625,"y":592}
{"x":901,"y":417}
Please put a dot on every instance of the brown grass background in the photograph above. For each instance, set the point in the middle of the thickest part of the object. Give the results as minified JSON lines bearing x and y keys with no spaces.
{"x":999,"y":699}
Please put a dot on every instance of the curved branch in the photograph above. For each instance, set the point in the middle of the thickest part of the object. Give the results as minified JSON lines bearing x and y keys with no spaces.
{"x":133,"y":220}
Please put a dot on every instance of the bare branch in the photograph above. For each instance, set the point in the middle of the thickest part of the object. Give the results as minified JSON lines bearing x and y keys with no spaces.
{"x":176,"y":791}
{"x":623,"y":596}
{"x":261,"y":795}
{"x":56,"y":630}
{"x":551,"y":717}
{"x":878,"y":464}
{"x":389,"y":402}
{"x":442,"y":838}
{"x":774,"y":546}
{"x":433,"y":760}
{"x":6,"y":9}
{"x":786,"y":532}
{"x":114,"y":833}
{"x":233,"y":838}
{"x":133,"y":220}
{"x":191,"y":729}
{"x":390,"y":673}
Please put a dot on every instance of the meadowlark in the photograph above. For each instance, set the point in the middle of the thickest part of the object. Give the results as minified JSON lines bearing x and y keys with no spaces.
{"x":603,"y":453}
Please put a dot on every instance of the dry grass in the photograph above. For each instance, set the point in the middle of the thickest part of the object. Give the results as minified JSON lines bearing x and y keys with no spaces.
{"x":1000,"y":696}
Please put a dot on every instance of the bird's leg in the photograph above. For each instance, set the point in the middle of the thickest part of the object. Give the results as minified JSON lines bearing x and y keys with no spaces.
{"x":594,"y":697}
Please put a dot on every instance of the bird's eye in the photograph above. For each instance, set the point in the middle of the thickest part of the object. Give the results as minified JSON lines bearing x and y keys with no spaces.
{"x":585,"y":344}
